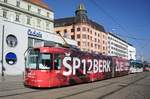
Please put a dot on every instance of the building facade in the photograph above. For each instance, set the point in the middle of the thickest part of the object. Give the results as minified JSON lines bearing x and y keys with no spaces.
{"x":23,"y":23}
{"x":91,"y":36}
{"x":119,"y":47}
{"x":131,"y":52}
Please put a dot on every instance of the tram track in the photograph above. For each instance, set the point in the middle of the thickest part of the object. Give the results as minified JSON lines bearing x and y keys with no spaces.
{"x":38,"y":90}
{"x":25,"y":90}
{"x":123,"y":85}
{"x":85,"y":91}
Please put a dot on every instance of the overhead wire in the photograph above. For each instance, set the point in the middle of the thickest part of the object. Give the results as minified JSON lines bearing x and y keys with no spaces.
{"x":114,"y":20}
{"x":147,"y":40}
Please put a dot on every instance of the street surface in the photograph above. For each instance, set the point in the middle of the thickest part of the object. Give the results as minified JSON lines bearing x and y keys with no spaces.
{"x":133,"y":86}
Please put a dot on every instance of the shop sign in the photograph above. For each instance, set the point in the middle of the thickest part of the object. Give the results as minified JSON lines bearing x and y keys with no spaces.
{"x":34,"y":33}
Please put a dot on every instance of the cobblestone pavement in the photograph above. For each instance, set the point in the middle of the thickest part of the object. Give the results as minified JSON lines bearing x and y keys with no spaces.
{"x":132,"y":86}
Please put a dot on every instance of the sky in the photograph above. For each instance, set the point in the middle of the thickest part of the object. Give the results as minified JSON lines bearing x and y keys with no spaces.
{"x":129,"y":19}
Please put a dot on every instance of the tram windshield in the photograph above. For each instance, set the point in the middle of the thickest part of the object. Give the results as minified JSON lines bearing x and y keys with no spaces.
{"x":37,"y":60}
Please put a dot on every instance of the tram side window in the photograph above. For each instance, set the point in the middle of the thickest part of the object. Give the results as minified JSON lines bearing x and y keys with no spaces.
{"x":57,"y":61}
{"x":45,"y":61}
{"x":32,"y":61}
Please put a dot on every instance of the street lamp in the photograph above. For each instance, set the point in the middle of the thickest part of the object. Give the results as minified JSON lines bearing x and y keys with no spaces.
{"x":2,"y":60}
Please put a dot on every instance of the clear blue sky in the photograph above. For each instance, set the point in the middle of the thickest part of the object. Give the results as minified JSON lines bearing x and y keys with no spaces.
{"x":127,"y":18}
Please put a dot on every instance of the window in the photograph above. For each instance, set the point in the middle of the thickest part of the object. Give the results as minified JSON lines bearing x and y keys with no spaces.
{"x":84,"y":44}
{"x":39,"y":11}
{"x":91,"y":44}
{"x":28,"y":20}
{"x":103,"y":48}
{"x":78,"y":29}
{"x":95,"y":46}
{"x":18,"y":3}
{"x":37,"y":41}
{"x":45,"y":61}
{"x":88,"y":29}
{"x":91,"y":37}
{"x":95,"y":40}
{"x":29,"y":7}
{"x":78,"y":43}
{"x":99,"y":46}
{"x":32,"y":60}
{"x":72,"y":37}
{"x":84,"y":36}
{"x":91,"y":31}
{"x":4,"y":13}
{"x":88,"y":44}
{"x":57,"y":61}
{"x":95,"y":34}
{"x":17,"y":17}
{"x":30,"y":42}
{"x":88,"y":37}
{"x":48,"y":14}
{"x":83,"y":29}
{"x":38,"y":23}
{"x":5,"y":1}
{"x":103,"y":42}
{"x":47,"y":25}
{"x":72,"y":30}
{"x":78,"y":35}
{"x":103,"y":36}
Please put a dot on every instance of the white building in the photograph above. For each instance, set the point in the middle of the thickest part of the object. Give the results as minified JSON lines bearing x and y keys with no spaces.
{"x":131,"y":52}
{"x":22,"y":24}
{"x":119,"y":47}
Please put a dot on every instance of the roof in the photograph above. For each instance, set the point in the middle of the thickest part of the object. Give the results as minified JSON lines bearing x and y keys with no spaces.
{"x":64,"y":21}
{"x":39,"y":3}
{"x":71,"y":20}
{"x":120,"y":38}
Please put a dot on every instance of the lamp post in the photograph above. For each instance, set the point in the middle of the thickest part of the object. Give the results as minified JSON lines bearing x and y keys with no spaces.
{"x":2,"y":61}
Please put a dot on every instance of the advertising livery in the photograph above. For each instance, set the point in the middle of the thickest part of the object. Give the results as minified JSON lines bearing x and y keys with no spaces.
{"x":56,"y":66}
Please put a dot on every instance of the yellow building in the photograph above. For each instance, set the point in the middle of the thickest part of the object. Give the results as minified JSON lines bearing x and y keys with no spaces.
{"x":90,"y":35}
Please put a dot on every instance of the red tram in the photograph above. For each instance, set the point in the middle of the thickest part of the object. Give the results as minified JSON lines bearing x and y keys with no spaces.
{"x":57,"y":66}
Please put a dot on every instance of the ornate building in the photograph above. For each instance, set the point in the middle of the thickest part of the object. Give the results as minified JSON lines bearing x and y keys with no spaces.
{"x":91,"y":36}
